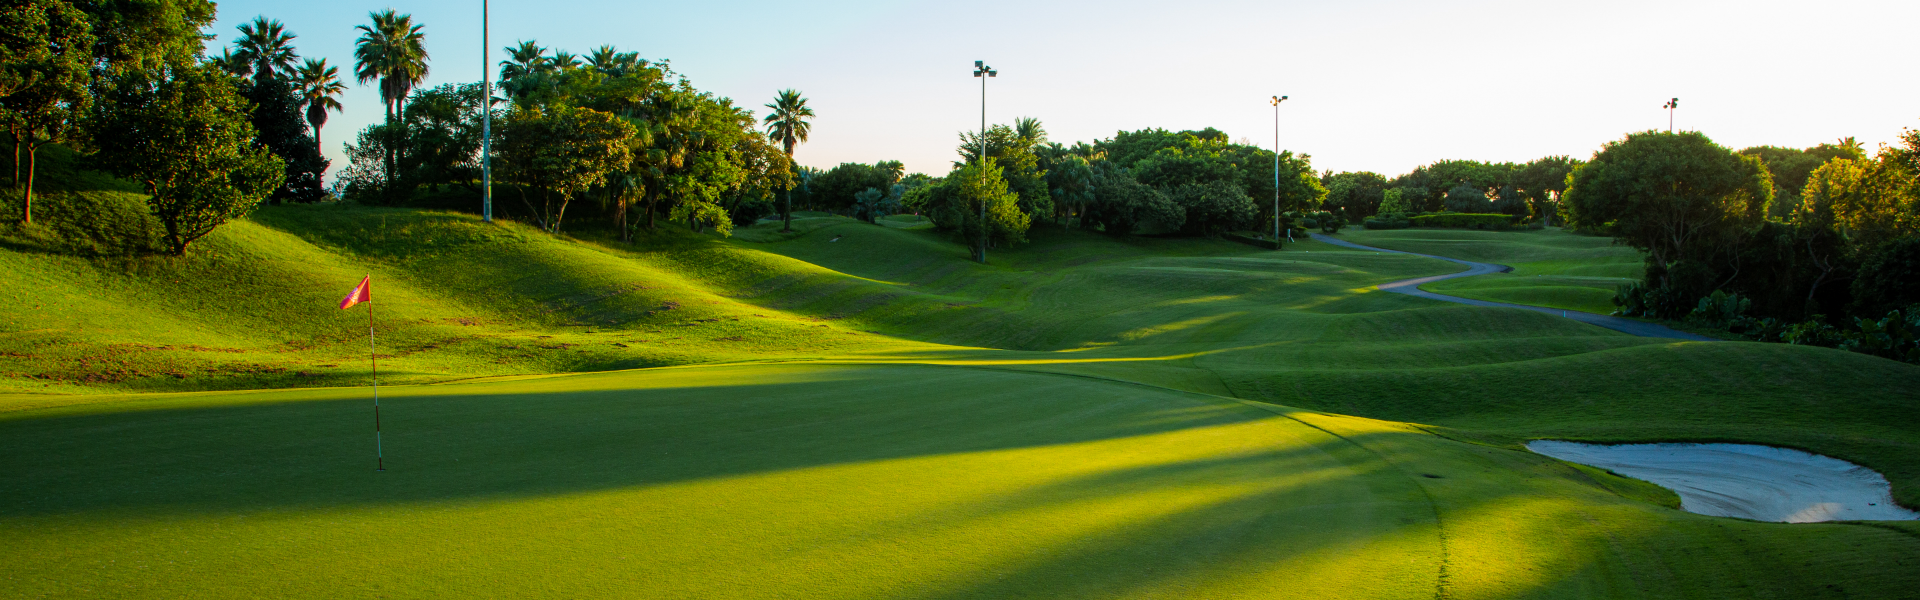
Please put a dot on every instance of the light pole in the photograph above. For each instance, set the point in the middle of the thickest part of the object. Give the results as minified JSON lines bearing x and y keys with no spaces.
{"x":982,"y":72}
{"x":486,"y":118}
{"x":1276,"y":170}
{"x":1670,"y":105}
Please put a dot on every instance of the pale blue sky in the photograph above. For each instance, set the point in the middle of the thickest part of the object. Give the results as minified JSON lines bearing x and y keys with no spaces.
{"x":1375,"y":85}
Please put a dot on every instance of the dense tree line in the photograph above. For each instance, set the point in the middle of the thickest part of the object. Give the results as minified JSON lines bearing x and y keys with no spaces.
{"x":1151,"y":181}
{"x":1523,"y":191}
{"x":1836,"y":267}
{"x":625,"y":134}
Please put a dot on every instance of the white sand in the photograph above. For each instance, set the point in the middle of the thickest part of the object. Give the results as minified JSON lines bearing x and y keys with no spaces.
{"x":1763,"y":483}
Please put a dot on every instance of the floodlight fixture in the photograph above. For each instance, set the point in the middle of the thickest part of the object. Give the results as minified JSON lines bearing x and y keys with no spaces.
{"x":1276,"y":169}
{"x":981,"y":71}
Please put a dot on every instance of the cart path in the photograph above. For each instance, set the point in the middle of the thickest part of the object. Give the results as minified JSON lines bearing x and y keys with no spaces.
{"x":1411,"y":287}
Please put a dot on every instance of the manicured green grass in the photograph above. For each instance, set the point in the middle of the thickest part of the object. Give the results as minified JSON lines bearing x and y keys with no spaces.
{"x":841,"y":481}
{"x":852,"y":410}
{"x":1551,"y":267}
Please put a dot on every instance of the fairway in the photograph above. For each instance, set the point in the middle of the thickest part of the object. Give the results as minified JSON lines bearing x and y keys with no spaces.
{"x":782,"y":415}
{"x":1552,"y":268}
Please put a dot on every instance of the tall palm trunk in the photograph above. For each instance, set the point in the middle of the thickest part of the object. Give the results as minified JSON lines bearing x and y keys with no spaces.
{"x":786,"y":217}
{"x":389,"y":144}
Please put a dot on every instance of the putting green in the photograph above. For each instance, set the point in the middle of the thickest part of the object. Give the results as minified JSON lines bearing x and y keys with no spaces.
{"x":763,"y":481}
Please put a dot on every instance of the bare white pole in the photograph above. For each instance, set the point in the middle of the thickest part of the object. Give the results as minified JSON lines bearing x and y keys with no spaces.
{"x":486,"y":117}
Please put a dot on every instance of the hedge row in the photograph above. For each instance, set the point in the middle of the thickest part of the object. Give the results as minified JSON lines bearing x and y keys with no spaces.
{"x":1472,"y":220}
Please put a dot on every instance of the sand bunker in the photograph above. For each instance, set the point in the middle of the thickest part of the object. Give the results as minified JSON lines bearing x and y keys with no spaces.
{"x":1763,"y":483}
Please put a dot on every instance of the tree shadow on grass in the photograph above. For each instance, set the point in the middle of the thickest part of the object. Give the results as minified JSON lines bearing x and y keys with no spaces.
{"x":259,"y":451}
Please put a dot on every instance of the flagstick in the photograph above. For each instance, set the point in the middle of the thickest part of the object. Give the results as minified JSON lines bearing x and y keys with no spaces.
{"x":379,"y":454}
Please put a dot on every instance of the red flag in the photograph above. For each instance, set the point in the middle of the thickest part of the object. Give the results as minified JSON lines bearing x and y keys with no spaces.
{"x":360,"y":293}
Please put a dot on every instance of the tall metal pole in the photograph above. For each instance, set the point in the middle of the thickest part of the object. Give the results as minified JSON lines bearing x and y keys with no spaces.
{"x":1276,"y":170}
{"x":982,"y":71}
{"x":486,"y":117}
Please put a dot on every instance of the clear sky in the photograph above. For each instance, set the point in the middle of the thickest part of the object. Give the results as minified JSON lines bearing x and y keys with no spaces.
{"x":1376,"y":85}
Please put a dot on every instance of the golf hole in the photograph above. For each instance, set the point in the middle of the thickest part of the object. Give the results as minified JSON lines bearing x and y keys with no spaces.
{"x":1762,"y":483}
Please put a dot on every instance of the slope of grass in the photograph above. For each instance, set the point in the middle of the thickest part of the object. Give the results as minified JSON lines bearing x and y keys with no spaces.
{"x":1551,"y":267}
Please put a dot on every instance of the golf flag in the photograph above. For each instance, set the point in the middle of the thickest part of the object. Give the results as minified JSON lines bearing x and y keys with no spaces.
{"x":364,"y":293}
{"x":360,"y":293}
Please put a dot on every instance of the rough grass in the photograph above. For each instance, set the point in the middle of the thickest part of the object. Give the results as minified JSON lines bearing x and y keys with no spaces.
{"x":786,"y":415}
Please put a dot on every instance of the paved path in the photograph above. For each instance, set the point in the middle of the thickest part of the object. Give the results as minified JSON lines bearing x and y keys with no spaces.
{"x":1411,"y":287}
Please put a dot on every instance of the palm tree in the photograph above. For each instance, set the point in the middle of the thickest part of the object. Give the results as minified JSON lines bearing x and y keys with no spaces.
{"x":231,"y":63}
{"x":1029,"y":129}
{"x":265,"y":47}
{"x":524,"y":64}
{"x":562,"y":60}
{"x":319,"y":85}
{"x":788,"y":125}
{"x":393,"y":52}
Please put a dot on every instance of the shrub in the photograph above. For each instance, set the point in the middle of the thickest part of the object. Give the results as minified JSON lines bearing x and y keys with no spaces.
{"x":1639,"y":300}
{"x":1720,"y":309}
{"x":1813,"y":332}
{"x":1392,"y":220}
{"x":1472,"y":220}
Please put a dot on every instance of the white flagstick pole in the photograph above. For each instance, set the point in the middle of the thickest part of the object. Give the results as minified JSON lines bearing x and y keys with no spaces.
{"x":379,"y":454}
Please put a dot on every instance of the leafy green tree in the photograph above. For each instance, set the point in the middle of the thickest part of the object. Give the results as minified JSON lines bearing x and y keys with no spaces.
{"x":142,"y":38}
{"x":441,"y":128}
{"x":1874,"y":201}
{"x":835,"y":189}
{"x":279,"y":127}
{"x":45,"y":52}
{"x":1070,"y":180}
{"x":391,"y":51}
{"x":1393,"y":201}
{"x":1357,"y":194}
{"x":1214,"y":208}
{"x":1121,"y":204}
{"x":321,"y":87}
{"x":1018,"y":161}
{"x":787,"y":124}
{"x":960,"y":210}
{"x":1676,"y":196}
{"x":187,"y":140}
{"x":559,"y":153}
{"x":1468,"y":198}
{"x":1542,"y":181}
{"x":1791,"y":167}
